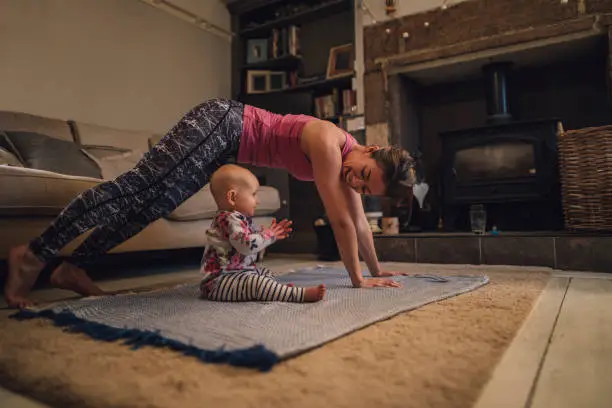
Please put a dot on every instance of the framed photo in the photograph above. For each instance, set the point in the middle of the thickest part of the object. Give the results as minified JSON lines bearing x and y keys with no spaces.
{"x":257,"y":50}
{"x":278,"y":81}
{"x":341,"y":61}
{"x":258,"y":81}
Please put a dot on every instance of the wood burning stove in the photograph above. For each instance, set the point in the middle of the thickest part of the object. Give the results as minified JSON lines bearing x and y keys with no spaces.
{"x":509,"y":166}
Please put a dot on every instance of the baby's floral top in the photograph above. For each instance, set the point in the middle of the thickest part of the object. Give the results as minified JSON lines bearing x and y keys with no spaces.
{"x":233,"y":244}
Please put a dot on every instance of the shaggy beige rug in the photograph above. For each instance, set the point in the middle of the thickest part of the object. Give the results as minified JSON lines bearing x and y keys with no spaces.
{"x":440,"y":355}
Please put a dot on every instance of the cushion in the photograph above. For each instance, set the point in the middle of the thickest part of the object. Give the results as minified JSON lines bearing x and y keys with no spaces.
{"x":38,"y":192}
{"x":202,"y":205}
{"x":153,"y":140}
{"x":9,"y":159}
{"x":42,"y":152}
{"x":112,"y":161}
{"x":24,"y":122}
{"x":95,"y":135}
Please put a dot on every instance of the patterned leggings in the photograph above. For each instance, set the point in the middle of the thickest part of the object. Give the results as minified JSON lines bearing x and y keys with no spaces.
{"x":172,"y":171}
{"x":252,"y":285}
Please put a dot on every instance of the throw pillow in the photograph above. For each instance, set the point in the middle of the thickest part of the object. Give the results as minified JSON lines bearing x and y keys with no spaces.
{"x":113,"y":161}
{"x":9,"y":159}
{"x":38,"y":151}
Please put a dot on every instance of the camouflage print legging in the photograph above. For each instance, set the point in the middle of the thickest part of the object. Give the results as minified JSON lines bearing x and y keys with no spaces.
{"x":171,"y":172}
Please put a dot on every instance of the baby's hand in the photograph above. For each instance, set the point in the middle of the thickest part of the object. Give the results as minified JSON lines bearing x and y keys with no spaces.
{"x":280,"y":230}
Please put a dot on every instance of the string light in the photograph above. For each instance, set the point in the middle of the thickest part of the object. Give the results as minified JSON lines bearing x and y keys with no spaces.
{"x":366,"y":8}
{"x":446,"y":4}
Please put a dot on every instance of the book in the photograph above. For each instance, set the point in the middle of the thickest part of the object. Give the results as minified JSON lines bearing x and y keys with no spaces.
{"x":294,"y":40}
{"x":284,"y":41}
{"x":349,"y":101}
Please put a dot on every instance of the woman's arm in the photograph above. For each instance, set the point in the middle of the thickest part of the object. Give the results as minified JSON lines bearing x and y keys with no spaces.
{"x":327,"y":166}
{"x":365,"y":241}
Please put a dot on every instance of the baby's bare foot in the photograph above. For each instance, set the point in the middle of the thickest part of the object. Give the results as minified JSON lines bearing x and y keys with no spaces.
{"x":70,"y":277}
{"x":314,"y":293}
{"x":23,"y":270}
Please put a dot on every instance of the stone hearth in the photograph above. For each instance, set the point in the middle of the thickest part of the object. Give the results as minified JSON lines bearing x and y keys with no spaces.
{"x":560,"y":251}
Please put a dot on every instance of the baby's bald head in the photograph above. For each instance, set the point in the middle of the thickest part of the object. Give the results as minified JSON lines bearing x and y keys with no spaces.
{"x":229,"y":182}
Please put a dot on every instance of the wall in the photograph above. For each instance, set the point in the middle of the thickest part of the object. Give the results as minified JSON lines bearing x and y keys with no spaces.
{"x":403,"y":8}
{"x":376,"y":132}
{"x":215,"y":11}
{"x":121,"y":63}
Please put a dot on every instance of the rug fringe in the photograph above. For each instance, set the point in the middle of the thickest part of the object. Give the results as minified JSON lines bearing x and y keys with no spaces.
{"x":257,"y":357}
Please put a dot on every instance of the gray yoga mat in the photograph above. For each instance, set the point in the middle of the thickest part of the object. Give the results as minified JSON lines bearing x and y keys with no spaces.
{"x":255,"y":334}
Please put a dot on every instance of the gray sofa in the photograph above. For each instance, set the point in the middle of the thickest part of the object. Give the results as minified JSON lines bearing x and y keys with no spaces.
{"x":53,"y":160}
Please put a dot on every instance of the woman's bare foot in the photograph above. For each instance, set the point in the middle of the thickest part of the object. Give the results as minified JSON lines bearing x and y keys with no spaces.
{"x":314,"y":293}
{"x":70,"y":277}
{"x":23,"y":270}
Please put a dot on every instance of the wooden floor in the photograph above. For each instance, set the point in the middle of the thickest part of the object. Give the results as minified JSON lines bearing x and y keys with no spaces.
{"x":561,"y":357}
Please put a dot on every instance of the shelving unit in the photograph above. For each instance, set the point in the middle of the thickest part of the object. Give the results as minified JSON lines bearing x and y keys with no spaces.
{"x":323,"y":84}
{"x":286,"y":62}
{"x":323,"y":24}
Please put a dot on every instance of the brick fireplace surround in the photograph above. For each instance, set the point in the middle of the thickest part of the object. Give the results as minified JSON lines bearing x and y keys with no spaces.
{"x":450,"y":45}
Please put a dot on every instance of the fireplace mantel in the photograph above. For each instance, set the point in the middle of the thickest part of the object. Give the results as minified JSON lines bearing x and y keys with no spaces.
{"x":537,"y":43}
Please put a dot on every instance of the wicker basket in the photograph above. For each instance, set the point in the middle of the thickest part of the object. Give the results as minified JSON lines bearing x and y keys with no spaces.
{"x":585,"y":160}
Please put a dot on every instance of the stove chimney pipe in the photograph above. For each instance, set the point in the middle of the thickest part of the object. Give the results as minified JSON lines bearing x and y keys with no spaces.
{"x":496,"y":88}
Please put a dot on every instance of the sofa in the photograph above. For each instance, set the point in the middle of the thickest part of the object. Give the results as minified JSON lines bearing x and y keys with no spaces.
{"x":46,"y":162}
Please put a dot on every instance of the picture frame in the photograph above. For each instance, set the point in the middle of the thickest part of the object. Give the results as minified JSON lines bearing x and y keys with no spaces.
{"x":257,"y":50}
{"x":277,"y":81}
{"x":258,"y":81}
{"x":341,"y":61}
{"x":263,"y":81}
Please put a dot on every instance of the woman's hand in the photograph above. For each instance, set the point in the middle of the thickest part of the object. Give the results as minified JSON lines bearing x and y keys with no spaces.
{"x":391,"y":273}
{"x":280,"y":230}
{"x":378,"y":282}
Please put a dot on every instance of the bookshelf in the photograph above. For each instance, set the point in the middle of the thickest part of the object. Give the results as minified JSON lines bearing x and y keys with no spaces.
{"x":282,"y":49}
{"x":302,"y":58}
{"x":286,"y":62}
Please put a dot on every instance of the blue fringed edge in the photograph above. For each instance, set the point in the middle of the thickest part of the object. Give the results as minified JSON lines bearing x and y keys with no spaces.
{"x":257,"y":357}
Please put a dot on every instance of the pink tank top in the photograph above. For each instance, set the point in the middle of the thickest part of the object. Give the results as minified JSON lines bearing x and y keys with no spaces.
{"x":272,"y":140}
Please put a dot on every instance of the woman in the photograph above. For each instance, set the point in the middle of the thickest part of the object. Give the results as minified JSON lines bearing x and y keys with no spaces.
{"x":214,"y":133}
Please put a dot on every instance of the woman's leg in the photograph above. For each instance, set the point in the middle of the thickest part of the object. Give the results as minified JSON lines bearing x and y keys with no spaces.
{"x":103,"y":203}
{"x":107,"y":236}
{"x":210,"y":133}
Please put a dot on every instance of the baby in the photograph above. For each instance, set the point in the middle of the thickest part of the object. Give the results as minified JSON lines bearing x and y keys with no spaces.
{"x":228,"y":264}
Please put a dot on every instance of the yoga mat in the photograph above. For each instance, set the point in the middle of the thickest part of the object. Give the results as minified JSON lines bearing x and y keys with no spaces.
{"x":250,"y":334}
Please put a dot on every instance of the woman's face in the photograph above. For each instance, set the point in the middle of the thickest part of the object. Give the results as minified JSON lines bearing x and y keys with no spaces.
{"x":361,"y":173}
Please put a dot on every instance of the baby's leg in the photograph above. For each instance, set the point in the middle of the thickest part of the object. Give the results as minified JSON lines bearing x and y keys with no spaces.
{"x":249,"y":286}
{"x":310,"y":294}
